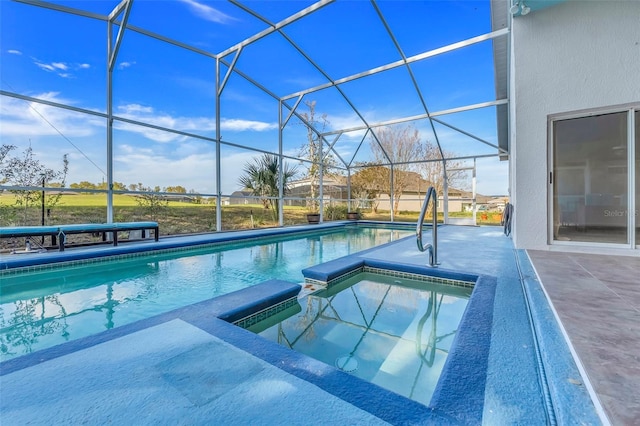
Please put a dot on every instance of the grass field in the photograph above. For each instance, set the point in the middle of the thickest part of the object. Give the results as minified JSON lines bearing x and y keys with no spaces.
{"x":174,"y":219}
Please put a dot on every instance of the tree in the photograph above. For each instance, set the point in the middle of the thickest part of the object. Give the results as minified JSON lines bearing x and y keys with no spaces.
{"x":28,"y":171}
{"x":153,"y":204}
{"x":398,"y":146}
{"x":261,"y":177}
{"x":177,"y":189}
{"x":366,"y":184}
{"x":4,"y":151}
{"x":6,"y":212}
{"x":433,"y":168}
{"x":83,"y":185}
{"x":312,"y":151}
{"x":197,"y":198}
{"x":119,"y":186}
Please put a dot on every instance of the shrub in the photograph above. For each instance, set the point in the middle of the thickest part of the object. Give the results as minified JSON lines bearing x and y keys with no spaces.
{"x":335,"y":212}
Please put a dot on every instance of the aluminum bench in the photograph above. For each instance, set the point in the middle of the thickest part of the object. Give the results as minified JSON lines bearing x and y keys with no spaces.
{"x":61,"y":231}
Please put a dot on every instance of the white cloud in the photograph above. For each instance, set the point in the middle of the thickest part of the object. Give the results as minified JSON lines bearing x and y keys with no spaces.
{"x":199,"y":125}
{"x":191,"y":166}
{"x":19,"y":118}
{"x":232,"y":167}
{"x":123,"y":65}
{"x":148,"y":115}
{"x":134,"y":108}
{"x":45,"y":67}
{"x":14,"y":52}
{"x":60,"y":65}
{"x":492,"y":176}
{"x":191,"y":162}
{"x":233,"y":124}
{"x":208,"y":13}
{"x":347,"y":122}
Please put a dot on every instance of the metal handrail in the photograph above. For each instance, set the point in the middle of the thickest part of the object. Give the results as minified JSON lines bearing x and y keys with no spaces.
{"x":432,"y":248}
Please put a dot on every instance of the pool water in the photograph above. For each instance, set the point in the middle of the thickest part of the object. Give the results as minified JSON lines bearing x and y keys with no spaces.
{"x":393,"y":332}
{"x":42,"y":309}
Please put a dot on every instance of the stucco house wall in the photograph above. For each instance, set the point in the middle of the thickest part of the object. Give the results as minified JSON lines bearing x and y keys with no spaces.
{"x":569,"y":57}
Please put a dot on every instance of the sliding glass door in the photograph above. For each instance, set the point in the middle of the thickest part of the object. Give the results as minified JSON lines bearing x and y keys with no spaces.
{"x":590,"y":177}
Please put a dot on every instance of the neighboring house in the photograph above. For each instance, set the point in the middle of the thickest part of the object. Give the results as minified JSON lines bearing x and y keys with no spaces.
{"x":335,"y":189}
{"x":241,"y":197}
{"x":183,"y":198}
{"x":497,"y":203}
{"x":178,"y":197}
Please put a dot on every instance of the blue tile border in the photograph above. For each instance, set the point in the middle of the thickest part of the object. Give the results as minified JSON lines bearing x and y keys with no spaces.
{"x":420,"y":277}
{"x":336,"y":268}
{"x":255,"y":299}
{"x":360,"y":267}
{"x":266,"y":313}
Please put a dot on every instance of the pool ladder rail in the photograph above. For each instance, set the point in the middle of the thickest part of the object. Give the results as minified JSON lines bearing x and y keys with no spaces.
{"x":433,"y":247}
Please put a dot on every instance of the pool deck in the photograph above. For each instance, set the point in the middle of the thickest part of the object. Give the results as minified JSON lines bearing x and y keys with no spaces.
{"x":189,"y":367}
{"x":597,"y":300}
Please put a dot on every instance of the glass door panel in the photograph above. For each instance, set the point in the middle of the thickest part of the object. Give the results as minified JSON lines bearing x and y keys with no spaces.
{"x":590,"y":179}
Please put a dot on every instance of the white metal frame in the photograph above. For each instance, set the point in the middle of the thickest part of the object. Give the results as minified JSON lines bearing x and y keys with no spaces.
{"x":120,"y":15}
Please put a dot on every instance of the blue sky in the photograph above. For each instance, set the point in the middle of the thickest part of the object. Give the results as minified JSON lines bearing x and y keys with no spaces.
{"x":61,"y":58}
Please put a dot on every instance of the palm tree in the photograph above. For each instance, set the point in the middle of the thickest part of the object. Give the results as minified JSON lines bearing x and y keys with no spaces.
{"x":261,"y":178}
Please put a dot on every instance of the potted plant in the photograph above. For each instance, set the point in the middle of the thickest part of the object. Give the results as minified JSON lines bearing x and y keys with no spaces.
{"x":313,"y":218}
{"x":313,"y":212}
{"x":355,"y":215}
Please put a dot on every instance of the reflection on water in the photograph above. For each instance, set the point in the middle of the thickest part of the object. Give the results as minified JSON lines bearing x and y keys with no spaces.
{"x":394,"y":333}
{"x":42,"y":309}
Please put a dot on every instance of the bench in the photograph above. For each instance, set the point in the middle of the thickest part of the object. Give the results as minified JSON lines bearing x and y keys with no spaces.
{"x":61,"y":231}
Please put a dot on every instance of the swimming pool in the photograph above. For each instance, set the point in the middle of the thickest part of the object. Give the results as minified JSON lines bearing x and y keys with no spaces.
{"x":48,"y":306}
{"x":391,"y":331}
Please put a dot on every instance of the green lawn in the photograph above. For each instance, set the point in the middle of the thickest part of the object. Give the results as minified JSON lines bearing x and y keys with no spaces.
{"x":176,"y":217}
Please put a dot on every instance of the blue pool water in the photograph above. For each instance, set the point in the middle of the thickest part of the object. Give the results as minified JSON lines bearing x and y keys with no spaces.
{"x":42,"y":309}
{"x":393,"y":332}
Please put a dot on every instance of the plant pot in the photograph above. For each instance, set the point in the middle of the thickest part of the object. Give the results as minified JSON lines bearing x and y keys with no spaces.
{"x":313,"y":217}
{"x":353,"y":215}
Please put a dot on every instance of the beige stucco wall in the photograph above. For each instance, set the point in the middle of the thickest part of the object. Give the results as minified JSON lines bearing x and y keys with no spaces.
{"x":412,"y":203}
{"x":573,"y":56}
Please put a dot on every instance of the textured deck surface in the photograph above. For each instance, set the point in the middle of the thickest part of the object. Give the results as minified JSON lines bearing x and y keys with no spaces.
{"x":597,"y":299}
